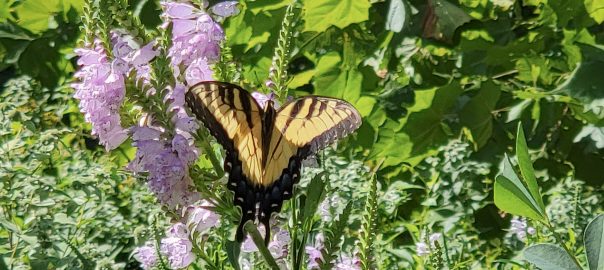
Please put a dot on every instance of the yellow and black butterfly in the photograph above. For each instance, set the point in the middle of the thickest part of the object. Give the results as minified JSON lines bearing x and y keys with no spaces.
{"x":265,"y":147}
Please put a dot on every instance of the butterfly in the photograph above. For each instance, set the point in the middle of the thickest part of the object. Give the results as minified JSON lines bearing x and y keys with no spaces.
{"x":264,"y":147}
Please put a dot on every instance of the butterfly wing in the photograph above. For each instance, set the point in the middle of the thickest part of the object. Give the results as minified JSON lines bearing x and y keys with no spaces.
{"x":235,"y":119}
{"x":301,"y":128}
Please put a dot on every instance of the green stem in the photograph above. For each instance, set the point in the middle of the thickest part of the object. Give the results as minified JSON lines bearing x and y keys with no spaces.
{"x":559,"y":240}
{"x":266,"y":254}
{"x":202,"y":137}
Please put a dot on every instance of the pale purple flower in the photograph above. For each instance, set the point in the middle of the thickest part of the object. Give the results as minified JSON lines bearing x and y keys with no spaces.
{"x":177,"y":10}
{"x":520,"y":228}
{"x":263,"y":99}
{"x":348,"y":263}
{"x":226,"y":8}
{"x":434,"y":238}
{"x":146,"y":255}
{"x":144,"y":55}
{"x":328,"y":207}
{"x":314,"y":257}
{"x":100,"y":89}
{"x":277,"y":246}
{"x":166,"y":163}
{"x":177,"y":247}
{"x":101,"y":84}
{"x":422,"y":249}
{"x":198,"y":71}
{"x":185,"y":124}
{"x":194,"y":35}
{"x":201,"y":218}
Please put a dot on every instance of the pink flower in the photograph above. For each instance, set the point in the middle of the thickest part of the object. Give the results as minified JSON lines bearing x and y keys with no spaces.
{"x":146,"y":255}
{"x":198,"y":71}
{"x":195,"y":36}
{"x":202,"y":218}
{"x":177,"y":247}
{"x":348,"y":263}
{"x":314,"y":257}
{"x":167,"y":165}
{"x":226,"y":8}
{"x":101,"y":84}
{"x":263,"y":99}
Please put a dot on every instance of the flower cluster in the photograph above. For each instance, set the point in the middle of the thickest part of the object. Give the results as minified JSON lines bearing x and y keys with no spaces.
{"x":176,"y":247}
{"x":277,"y":246}
{"x":520,"y":228}
{"x":315,"y":257}
{"x":196,"y":39}
{"x":101,"y":84}
{"x":167,"y":163}
{"x":200,"y":218}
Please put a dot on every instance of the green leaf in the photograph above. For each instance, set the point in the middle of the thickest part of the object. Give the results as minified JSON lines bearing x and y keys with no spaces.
{"x":37,"y":16}
{"x":526,"y":167}
{"x":594,"y":243}
{"x":233,"y":249}
{"x":320,"y":15}
{"x":549,"y":257}
{"x":314,"y":192}
{"x":425,"y":125}
{"x":396,"y":17}
{"x":449,"y":17}
{"x":595,"y":9}
{"x":586,"y":80}
{"x":512,"y":196}
{"x":477,"y":114}
{"x":334,"y":81}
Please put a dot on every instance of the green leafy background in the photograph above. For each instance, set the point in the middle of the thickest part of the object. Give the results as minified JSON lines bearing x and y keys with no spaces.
{"x":441,"y":86}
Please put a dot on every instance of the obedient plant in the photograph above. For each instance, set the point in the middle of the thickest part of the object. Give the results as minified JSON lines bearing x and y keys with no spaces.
{"x":131,"y":85}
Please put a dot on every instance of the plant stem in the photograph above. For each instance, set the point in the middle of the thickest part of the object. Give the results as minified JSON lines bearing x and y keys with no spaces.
{"x":559,"y":240}
{"x":266,"y":254}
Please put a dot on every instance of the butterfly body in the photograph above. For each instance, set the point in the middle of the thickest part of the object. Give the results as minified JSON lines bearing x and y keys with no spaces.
{"x":265,"y":146}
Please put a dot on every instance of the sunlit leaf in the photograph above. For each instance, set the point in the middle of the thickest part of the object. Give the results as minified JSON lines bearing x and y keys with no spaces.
{"x":477,"y":114}
{"x":512,"y":196}
{"x":595,"y":9}
{"x":549,"y":257}
{"x":37,"y":16}
{"x":397,"y":15}
{"x":526,"y":167}
{"x":320,"y":15}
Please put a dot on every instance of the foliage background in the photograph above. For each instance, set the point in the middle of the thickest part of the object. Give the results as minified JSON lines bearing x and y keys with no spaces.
{"x":441,"y":86}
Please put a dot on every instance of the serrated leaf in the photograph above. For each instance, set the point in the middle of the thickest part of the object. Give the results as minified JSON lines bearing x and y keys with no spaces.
{"x":526,"y":167}
{"x":594,"y":243}
{"x":397,"y":15}
{"x":549,"y":257}
{"x":512,"y":196}
{"x":320,"y":15}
